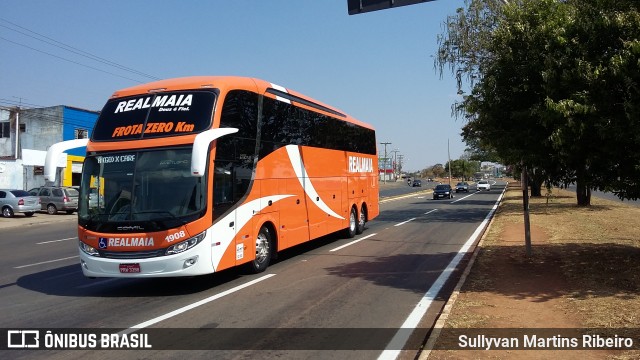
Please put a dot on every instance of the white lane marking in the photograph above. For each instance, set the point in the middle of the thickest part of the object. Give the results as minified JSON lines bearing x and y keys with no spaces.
{"x":353,"y":242}
{"x":99,"y":282}
{"x":52,"y":241}
{"x":45,"y":262}
{"x":397,"y":198}
{"x":429,"y":212}
{"x":404,"y":222}
{"x":193,"y":306}
{"x":462,"y":198}
{"x":391,"y":352}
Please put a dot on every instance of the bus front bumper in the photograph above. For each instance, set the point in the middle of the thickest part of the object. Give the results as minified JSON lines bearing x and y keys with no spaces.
{"x":195,"y":261}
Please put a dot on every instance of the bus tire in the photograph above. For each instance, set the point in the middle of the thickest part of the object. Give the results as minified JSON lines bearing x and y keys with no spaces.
{"x":264,"y":250}
{"x":350,"y":231}
{"x":362,"y":220}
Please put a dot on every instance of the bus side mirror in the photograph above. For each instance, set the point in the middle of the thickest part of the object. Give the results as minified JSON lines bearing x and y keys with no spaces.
{"x":53,"y":155}
{"x":201,"y":148}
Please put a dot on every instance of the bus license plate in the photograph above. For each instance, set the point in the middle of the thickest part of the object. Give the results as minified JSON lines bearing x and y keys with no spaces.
{"x":129,"y":268}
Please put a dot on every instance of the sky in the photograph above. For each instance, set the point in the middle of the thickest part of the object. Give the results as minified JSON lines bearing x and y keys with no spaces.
{"x":377,"y":67}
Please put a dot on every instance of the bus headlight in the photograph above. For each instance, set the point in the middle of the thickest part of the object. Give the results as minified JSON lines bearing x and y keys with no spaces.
{"x":88,"y":249}
{"x":185,"y":245}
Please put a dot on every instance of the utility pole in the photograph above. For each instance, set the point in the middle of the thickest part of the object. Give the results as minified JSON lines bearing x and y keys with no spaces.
{"x":384,"y":162}
{"x":395,"y":160}
{"x":449,"y":156}
{"x":14,"y":115}
{"x":525,"y":203}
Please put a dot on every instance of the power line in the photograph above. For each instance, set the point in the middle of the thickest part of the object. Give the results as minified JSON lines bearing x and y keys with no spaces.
{"x":72,"y":49}
{"x":59,"y":119}
{"x":71,"y":61}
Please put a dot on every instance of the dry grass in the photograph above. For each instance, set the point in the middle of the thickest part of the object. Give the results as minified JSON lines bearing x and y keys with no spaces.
{"x":598,"y":248}
{"x":584,"y":271}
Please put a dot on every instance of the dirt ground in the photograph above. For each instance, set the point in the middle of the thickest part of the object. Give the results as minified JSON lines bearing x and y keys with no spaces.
{"x":583,"y":274}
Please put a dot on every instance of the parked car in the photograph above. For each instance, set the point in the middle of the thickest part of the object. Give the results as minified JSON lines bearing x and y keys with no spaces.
{"x":442,"y":191}
{"x":13,"y":201}
{"x":462,"y":186}
{"x":483,"y":185}
{"x":417,"y":183}
{"x":95,"y":199}
{"x":56,"y":198}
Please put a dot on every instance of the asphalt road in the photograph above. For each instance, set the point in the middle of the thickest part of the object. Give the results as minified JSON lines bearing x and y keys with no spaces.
{"x":397,"y":188}
{"x":333,"y":293}
{"x":607,"y":195}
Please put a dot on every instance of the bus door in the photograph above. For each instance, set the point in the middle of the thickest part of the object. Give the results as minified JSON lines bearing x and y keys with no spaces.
{"x":233,"y":220}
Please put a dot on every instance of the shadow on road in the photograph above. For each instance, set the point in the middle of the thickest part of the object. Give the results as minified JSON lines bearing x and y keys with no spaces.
{"x":592,"y":270}
{"x":69,"y":281}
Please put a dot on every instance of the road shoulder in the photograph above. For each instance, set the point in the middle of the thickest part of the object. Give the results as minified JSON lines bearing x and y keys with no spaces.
{"x":557,"y":287}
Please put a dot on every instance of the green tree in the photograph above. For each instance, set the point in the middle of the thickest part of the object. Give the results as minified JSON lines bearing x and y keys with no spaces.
{"x":554,"y":87}
{"x":592,"y":86}
{"x":461,"y":168}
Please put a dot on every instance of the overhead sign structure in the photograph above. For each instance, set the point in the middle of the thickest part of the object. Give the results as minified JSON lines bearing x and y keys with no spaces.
{"x":363,"y":6}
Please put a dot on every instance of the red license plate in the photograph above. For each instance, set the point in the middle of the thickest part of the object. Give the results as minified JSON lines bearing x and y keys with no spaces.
{"x":129,"y":268}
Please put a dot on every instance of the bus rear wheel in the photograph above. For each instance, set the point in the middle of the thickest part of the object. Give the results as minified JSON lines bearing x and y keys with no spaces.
{"x":350,"y":231}
{"x":362,"y":220}
{"x":264,"y":250}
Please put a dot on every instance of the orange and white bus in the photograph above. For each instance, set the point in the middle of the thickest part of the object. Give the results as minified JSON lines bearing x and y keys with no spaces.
{"x":194,"y":175}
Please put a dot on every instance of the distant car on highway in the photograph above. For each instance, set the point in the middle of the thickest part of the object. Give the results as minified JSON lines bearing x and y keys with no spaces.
{"x":442,"y":191}
{"x":483,"y":185}
{"x":417,"y":183}
{"x":462,"y":186}
{"x":13,"y":201}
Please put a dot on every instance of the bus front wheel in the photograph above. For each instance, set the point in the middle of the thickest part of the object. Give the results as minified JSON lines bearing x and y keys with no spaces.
{"x":264,"y":250}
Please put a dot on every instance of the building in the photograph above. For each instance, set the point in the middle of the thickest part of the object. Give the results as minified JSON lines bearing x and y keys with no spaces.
{"x":25,"y":136}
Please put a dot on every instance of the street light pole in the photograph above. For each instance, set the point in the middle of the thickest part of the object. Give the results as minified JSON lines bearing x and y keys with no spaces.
{"x":395,"y":160}
{"x":385,"y":160}
{"x":449,"y":156}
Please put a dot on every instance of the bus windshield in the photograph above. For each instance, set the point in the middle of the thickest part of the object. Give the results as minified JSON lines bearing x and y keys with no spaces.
{"x":141,"y":186}
{"x":155,"y":115}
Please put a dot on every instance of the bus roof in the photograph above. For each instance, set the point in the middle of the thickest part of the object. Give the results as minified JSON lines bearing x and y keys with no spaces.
{"x":223,"y":83}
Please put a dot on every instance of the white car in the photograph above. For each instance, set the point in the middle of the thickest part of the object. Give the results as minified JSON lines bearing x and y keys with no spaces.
{"x":483,"y":185}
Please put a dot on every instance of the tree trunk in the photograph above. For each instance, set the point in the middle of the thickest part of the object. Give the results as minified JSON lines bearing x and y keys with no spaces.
{"x":536,"y":187}
{"x":536,"y":179}
{"x":583,"y":194}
